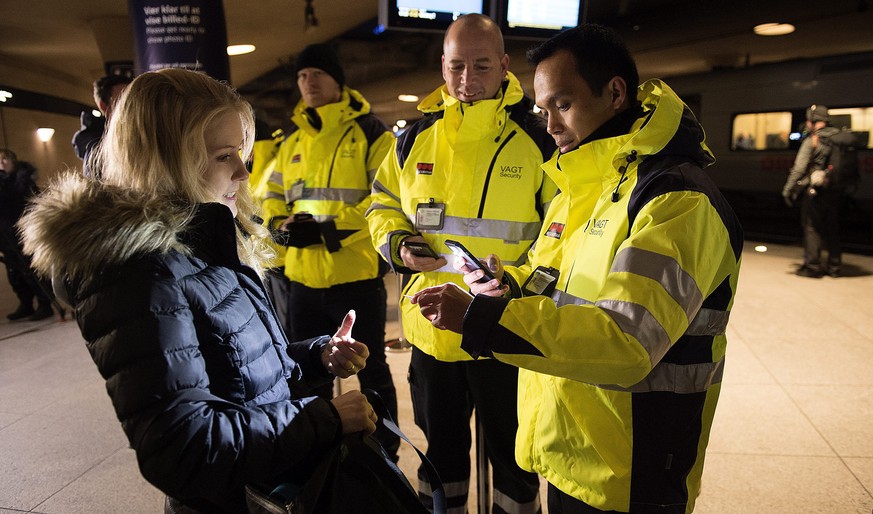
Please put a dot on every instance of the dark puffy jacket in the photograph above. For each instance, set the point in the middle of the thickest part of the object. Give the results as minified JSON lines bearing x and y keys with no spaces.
{"x":206,"y":387}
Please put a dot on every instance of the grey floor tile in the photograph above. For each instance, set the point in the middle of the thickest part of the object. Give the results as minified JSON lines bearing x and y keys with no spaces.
{"x":88,"y":494}
{"x":862,"y":468}
{"x":742,"y":366}
{"x":772,"y":484}
{"x":44,"y":453}
{"x":842,"y":414}
{"x":816,"y":361}
{"x":763,"y":420}
{"x":7,"y":418}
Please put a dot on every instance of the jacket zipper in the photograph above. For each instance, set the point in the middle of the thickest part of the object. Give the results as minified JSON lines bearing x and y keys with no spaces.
{"x":335,"y":151}
{"x":490,"y":170}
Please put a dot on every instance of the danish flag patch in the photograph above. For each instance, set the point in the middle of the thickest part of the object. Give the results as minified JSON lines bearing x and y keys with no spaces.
{"x":295,"y":158}
{"x":424,"y":168}
{"x":555,"y":230}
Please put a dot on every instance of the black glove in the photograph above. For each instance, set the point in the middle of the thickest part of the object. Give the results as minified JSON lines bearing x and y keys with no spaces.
{"x":299,"y":235}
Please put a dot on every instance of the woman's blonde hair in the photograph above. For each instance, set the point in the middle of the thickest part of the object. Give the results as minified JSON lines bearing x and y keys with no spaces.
{"x":156,"y":144}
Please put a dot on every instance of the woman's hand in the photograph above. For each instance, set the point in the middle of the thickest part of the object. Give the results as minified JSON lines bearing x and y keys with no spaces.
{"x":356,"y":413}
{"x":343,"y":356}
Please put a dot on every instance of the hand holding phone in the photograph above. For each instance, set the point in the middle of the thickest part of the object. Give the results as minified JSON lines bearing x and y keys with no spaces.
{"x":469,"y":259}
{"x":420,"y":249}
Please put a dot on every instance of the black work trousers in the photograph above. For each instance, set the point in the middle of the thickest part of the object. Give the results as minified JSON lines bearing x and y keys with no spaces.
{"x":315,"y":312}
{"x":24,"y":282}
{"x":820,"y":217}
{"x":444,"y":395}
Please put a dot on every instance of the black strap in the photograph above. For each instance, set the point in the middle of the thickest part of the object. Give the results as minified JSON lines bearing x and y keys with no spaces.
{"x":438,"y":495}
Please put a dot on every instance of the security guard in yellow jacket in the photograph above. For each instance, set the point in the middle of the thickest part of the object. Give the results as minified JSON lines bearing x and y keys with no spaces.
{"x":317,"y":195}
{"x":469,"y":171}
{"x":619,"y":319}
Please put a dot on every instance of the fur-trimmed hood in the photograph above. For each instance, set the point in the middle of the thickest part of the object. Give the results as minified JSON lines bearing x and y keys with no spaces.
{"x":79,"y":226}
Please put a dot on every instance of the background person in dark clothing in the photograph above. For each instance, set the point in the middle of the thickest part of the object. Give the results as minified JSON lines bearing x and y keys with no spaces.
{"x":107,"y":90}
{"x":17,"y":187}
{"x":820,"y":204}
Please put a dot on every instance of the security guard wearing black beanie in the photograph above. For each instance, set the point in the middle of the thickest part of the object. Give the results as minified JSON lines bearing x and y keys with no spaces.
{"x":317,"y":194}
{"x":322,"y":57}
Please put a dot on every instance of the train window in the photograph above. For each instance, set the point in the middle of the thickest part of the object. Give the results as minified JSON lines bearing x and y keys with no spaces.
{"x":858,"y":119}
{"x":784,"y":130}
{"x":761,"y":131}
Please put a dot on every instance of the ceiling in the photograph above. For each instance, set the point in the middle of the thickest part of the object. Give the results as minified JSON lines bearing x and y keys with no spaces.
{"x":58,"y":47}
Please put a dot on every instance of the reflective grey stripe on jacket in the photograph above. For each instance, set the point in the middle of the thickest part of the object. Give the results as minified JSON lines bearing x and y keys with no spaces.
{"x":636,"y":321}
{"x":336,"y":194}
{"x":676,"y":378}
{"x":663,"y":270}
{"x":487,"y":228}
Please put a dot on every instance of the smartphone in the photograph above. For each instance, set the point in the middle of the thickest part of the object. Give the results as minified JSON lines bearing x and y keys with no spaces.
{"x":420,"y":249}
{"x":471,"y":261}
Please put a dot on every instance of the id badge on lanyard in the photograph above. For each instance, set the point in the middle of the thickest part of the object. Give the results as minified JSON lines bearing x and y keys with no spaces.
{"x":542,"y":281}
{"x":430,"y":216}
{"x":298,"y":191}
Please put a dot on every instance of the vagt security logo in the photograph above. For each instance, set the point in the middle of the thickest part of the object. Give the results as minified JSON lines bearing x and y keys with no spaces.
{"x":595,"y":227}
{"x":511,"y":171}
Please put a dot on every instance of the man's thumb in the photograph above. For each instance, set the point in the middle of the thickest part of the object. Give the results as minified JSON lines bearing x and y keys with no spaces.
{"x":345,"y":330}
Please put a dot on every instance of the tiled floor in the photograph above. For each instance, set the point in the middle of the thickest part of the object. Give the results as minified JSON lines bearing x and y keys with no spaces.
{"x":793,"y":431}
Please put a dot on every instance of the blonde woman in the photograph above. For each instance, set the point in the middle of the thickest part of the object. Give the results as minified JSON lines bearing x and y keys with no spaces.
{"x":161,"y":261}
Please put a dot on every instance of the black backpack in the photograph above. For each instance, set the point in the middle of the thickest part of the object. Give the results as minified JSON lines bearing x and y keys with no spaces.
{"x":840,"y":157}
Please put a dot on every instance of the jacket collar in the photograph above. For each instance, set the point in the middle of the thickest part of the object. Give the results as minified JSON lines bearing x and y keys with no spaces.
{"x":484,"y":117}
{"x":211,"y":235}
{"x":663,"y":125}
{"x":330,"y":116}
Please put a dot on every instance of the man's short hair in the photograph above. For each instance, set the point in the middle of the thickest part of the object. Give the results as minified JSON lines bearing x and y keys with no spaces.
{"x":600,"y":55}
{"x":103,"y":86}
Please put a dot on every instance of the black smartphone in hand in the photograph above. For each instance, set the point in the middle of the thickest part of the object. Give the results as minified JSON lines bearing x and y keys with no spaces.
{"x":420,"y":249}
{"x":469,"y":259}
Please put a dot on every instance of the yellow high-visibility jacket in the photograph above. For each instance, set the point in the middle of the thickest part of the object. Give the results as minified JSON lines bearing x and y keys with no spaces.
{"x":622,"y":363}
{"x":332,"y":155}
{"x":482,"y":161}
{"x":264,"y":153}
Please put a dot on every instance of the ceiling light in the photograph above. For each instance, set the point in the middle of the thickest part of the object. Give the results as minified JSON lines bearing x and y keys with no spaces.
{"x":401,"y":123}
{"x":760,"y":248}
{"x":96,"y":113}
{"x":773,"y":29}
{"x":45,"y":134}
{"x":407,"y":98}
{"x":5,"y":95}
{"x":240,"y":49}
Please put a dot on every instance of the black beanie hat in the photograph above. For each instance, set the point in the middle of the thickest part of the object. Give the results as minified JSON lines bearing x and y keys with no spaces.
{"x":322,"y":57}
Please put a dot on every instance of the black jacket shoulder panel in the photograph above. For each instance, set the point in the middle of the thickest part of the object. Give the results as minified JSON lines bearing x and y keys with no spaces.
{"x":372,"y":127}
{"x":661,"y":174}
{"x":407,"y":140}
{"x":534,"y":126}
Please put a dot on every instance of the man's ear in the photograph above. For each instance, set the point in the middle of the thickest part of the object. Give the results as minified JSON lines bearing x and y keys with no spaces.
{"x":618,"y":92}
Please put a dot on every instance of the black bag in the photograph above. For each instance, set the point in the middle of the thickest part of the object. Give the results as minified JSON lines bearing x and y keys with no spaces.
{"x":840,"y":152}
{"x":357,"y":477}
